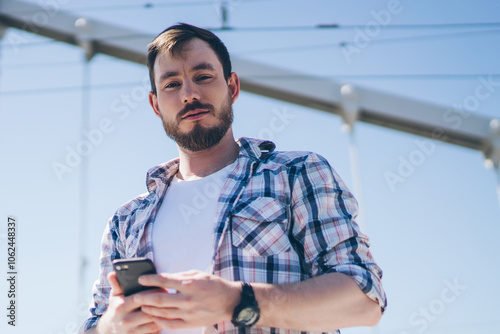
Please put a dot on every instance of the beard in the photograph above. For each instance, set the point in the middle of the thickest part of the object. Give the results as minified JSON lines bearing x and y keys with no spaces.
{"x":201,"y":138}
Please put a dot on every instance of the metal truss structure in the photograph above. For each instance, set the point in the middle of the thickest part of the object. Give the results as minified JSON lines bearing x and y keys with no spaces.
{"x":352,"y":103}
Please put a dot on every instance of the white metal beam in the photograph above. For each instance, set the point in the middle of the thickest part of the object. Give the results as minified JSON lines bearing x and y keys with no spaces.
{"x":384,"y":109}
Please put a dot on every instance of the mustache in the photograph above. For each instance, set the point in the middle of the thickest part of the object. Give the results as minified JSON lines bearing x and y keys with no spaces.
{"x":193,"y":106}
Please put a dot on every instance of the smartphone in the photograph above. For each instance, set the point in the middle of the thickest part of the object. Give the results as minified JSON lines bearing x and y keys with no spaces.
{"x":128,"y":272}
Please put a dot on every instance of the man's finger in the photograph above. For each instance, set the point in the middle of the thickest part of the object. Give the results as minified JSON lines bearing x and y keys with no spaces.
{"x":130,"y":304}
{"x":160,"y":299}
{"x":116,"y":290}
{"x":140,"y":319}
{"x":151,"y":327}
{"x":163,"y":312}
{"x":164,"y":281}
{"x":171,"y":323}
{"x":188,"y":273}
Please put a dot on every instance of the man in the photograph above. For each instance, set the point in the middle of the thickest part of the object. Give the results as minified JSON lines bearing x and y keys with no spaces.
{"x":282,"y":222}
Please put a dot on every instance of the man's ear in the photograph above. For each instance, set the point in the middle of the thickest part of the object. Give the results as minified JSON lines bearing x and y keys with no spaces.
{"x":153,"y":101}
{"x":234,"y":86}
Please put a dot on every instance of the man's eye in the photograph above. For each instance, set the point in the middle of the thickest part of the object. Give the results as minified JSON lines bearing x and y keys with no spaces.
{"x":204,"y":77}
{"x":172,"y":85}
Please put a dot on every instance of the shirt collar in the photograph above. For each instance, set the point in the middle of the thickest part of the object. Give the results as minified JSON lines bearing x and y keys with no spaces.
{"x":254,"y":149}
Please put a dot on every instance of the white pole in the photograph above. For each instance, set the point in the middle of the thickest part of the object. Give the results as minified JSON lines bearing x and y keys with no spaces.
{"x":350,"y":116}
{"x":83,"y":186}
{"x":356,"y":177}
{"x":83,"y":28}
{"x":497,"y":169}
{"x":493,"y":158}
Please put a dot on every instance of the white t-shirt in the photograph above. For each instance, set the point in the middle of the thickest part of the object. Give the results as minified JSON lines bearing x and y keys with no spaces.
{"x":183,"y":230}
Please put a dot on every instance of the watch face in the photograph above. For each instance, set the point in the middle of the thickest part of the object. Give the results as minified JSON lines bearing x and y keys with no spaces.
{"x":247,"y":315}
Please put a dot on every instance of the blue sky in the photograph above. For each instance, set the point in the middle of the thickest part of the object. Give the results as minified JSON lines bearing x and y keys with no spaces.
{"x":434,"y":234}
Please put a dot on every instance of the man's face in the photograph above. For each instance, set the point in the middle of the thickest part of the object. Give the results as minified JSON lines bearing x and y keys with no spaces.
{"x":193,"y":99}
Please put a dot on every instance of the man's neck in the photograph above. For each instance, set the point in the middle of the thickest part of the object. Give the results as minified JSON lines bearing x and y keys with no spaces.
{"x":195,"y":165}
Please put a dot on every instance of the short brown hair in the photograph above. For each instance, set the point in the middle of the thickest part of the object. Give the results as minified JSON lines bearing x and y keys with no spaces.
{"x":174,"y":37}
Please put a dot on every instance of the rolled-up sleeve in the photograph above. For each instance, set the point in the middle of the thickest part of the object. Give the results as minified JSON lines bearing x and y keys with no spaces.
{"x":324,"y":213}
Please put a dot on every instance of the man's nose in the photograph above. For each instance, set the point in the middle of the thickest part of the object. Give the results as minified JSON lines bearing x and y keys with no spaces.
{"x":190,"y":92}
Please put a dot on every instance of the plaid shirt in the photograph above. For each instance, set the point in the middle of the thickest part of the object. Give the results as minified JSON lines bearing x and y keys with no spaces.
{"x":282,"y":217}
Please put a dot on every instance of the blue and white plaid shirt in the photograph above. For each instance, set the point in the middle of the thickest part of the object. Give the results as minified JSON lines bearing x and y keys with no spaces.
{"x":282,"y":217}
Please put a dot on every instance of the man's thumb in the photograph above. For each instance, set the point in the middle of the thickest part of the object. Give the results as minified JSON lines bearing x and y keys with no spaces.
{"x":115,"y":286}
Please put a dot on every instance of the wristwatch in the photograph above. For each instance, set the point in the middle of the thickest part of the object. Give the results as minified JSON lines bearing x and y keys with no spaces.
{"x":247,"y":312}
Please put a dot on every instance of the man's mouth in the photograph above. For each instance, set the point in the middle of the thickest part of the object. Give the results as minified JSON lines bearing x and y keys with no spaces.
{"x":195,"y":114}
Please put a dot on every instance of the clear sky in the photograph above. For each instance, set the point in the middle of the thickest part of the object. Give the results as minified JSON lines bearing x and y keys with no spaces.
{"x":434,"y":234}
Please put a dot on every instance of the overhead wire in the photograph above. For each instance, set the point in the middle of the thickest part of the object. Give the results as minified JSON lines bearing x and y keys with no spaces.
{"x":341,"y":43}
{"x":344,"y":43}
{"x":75,"y":88}
{"x":360,"y":26}
{"x":125,"y":7}
{"x":293,"y":48}
{"x":144,"y":5}
{"x":42,"y":64}
{"x":426,"y":36}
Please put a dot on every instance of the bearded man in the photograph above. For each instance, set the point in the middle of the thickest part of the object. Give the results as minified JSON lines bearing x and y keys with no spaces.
{"x":273,"y":247}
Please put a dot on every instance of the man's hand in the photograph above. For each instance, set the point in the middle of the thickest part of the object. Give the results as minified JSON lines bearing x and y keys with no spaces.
{"x":123,"y":314}
{"x":201,"y":299}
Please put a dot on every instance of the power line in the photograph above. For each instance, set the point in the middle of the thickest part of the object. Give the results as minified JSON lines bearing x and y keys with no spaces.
{"x":150,"y":5}
{"x":288,"y":77}
{"x":346,"y":43}
{"x":145,"y":5}
{"x":336,"y":26}
{"x":41,"y":65}
{"x":362,"y":26}
{"x":440,"y":76}
{"x":65,"y":89}
{"x":379,"y":76}
{"x":316,"y":27}
{"x":29,"y":44}
{"x":283,"y":49}
{"x":427,"y":36}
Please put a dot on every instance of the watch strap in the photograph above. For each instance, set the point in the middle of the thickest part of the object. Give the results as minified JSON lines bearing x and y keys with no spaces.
{"x":247,"y":293}
{"x":247,"y":301}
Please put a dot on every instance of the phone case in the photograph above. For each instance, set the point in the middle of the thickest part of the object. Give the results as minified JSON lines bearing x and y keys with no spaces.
{"x":128,"y":272}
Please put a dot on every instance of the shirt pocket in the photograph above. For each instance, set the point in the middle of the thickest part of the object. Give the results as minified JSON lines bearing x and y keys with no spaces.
{"x":259,"y":226}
